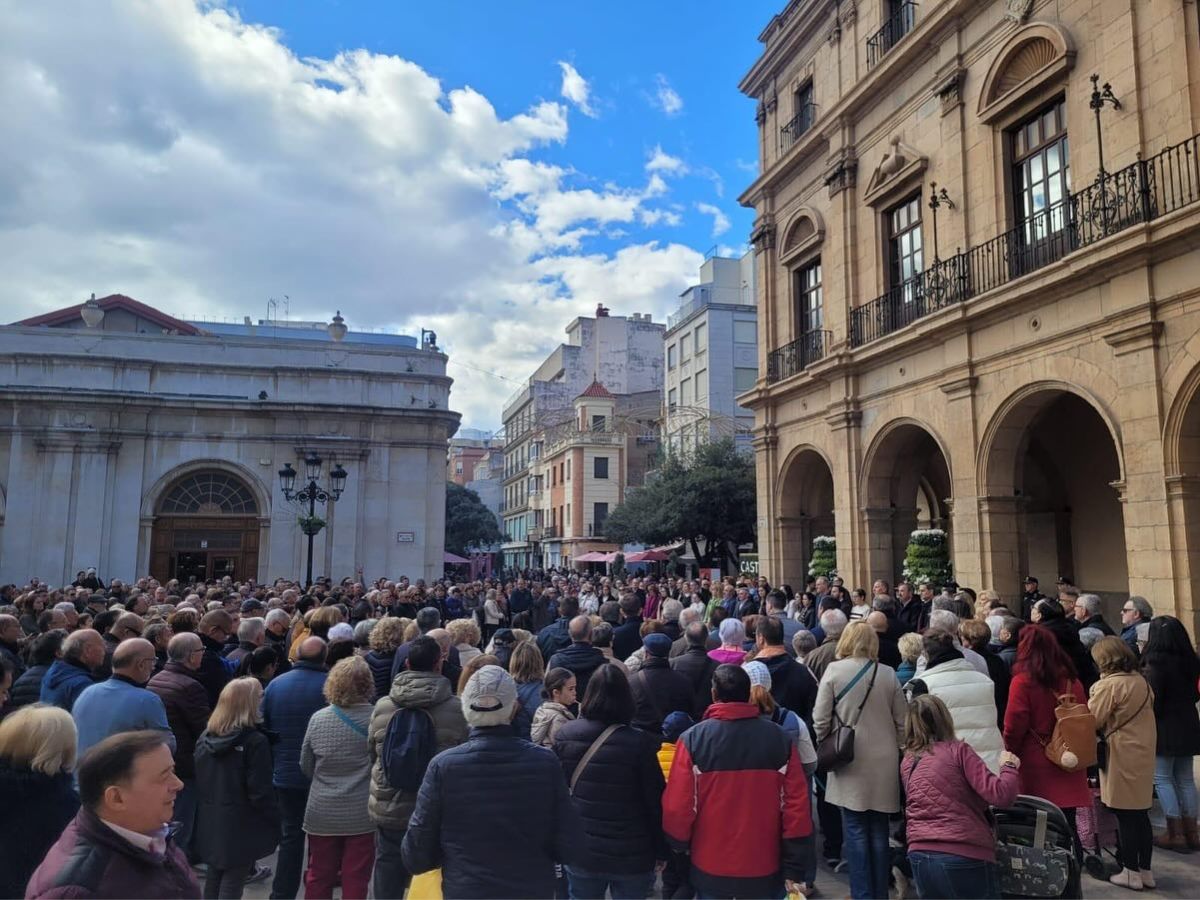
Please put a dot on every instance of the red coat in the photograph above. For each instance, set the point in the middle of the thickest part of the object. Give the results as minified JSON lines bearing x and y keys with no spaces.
{"x":1030,"y":716}
{"x":737,"y":798}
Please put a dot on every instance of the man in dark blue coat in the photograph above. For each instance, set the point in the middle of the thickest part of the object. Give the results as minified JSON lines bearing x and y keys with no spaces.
{"x":580,"y":657}
{"x":627,"y":636}
{"x":556,"y":636}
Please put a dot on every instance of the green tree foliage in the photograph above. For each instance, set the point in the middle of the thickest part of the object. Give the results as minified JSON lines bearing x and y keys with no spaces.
{"x":927,"y":557}
{"x":824,"y":557}
{"x":707,"y":499}
{"x":469,"y":524}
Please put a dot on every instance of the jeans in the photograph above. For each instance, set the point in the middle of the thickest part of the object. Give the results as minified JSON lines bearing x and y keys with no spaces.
{"x":185,"y":817}
{"x":391,"y":877}
{"x":290,"y":861}
{"x":866,"y":847}
{"x":592,"y":885}
{"x":339,"y":858}
{"x":1135,"y":838}
{"x":225,"y":884}
{"x":944,"y":876}
{"x":1176,"y":786}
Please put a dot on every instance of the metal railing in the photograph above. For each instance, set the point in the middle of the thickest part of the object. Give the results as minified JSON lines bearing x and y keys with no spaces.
{"x":795,"y":357}
{"x":800,"y":123}
{"x":896,"y":26}
{"x":1141,"y":192}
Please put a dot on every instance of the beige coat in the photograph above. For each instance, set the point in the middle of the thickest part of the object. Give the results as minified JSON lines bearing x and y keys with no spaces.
{"x":872,"y":781}
{"x":1115,"y":701}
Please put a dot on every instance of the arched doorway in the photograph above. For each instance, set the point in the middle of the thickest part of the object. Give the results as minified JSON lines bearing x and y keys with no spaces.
{"x":206,"y":526}
{"x":907,"y":487}
{"x":1052,"y":473}
{"x":805,"y":511}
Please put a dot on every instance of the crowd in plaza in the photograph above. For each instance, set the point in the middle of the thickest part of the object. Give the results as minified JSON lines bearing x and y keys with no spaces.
{"x":559,"y":734}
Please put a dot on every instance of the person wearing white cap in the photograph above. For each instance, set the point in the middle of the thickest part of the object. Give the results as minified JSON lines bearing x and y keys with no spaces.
{"x":493,"y":786}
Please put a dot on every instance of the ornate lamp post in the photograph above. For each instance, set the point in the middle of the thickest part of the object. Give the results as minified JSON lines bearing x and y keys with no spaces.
{"x":1102,"y":95}
{"x":310,"y":494}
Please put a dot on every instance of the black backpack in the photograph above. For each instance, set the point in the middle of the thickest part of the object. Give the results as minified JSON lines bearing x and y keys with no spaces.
{"x":408,"y":745}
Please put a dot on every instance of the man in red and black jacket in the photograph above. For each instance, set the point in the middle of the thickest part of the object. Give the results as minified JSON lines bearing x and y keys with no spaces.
{"x":737,"y":798}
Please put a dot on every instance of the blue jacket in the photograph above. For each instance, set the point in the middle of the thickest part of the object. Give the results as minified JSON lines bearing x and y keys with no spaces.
{"x":64,"y":683}
{"x":115,"y":706}
{"x":510,"y":787}
{"x":288,"y":704}
{"x":554,"y":637}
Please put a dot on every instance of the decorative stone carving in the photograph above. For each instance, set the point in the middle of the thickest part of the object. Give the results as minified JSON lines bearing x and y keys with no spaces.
{"x":848,"y":13}
{"x":1018,"y":10}
{"x":835,"y":33}
{"x":760,"y":114}
{"x":900,"y":168}
{"x":763,"y":235}
{"x":842,"y":176}
{"x":950,"y":94}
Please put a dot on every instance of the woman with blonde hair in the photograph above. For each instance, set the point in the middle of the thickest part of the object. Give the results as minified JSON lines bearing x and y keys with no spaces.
{"x":336,"y":756}
{"x":237,"y":820}
{"x":859,"y":692}
{"x":386,"y":636}
{"x":465,"y":636}
{"x":37,"y":755}
{"x":528,"y":671}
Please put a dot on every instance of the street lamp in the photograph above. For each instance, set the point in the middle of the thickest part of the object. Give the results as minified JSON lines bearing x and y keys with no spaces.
{"x":311,"y":493}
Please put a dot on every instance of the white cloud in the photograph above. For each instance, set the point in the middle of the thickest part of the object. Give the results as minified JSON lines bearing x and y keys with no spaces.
{"x":212,"y":168}
{"x":720,"y":220}
{"x":666,"y":97}
{"x":576,"y":89}
{"x":661,"y":161}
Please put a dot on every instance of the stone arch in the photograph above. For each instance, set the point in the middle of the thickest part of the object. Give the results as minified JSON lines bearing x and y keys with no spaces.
{"x":1032,"y":56}
{"x":803,"y":231}
{"x":1051,"y":479}
{"x":805,"y":500}
{"x":1181,"y":451}
{"x":906,"y":484}
{"x":153,"y":497}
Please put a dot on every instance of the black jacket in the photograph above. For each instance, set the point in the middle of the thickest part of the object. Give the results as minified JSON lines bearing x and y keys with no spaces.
{"x":1068,"y":639}
{"x":28,"y":688}
{"x":792,"y":685}
{"x":582,"y":659}
{"x":212,"y":672}
{"x":280,"y":645}
{"x":237,"y":820}
{"x":658,"y":691}
{"x":618,"y":796}
{"x":186,"y":703}
{"x":697,"y":667}
{"x":381,"y":671}
{"x":11,"y":652}
{"x":910,"y":616}
{"x":627,"y":638}
{"x":1096,"y":622}
{"x":38,"y":809}
{"x":1175,"y":718}
{"x":495,"y":815}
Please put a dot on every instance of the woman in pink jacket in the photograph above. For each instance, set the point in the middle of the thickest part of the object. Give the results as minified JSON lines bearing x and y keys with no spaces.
{"x":949,"y":788}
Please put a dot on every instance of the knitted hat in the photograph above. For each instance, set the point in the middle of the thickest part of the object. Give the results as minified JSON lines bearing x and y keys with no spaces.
{"x":759,"y":673}
{"x":489,"y":697}
{"x":657,"y":644}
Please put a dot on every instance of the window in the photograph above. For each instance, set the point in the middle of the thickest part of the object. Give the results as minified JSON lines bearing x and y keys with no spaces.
{"x":744,"y":378}
{"x":702,"y":386}
{"x":568,"y":478}
{"x":209,"y":493}
{"x":685,"y":391}
{"x":810,"y":298}
{"x":701,"y":339}
{"x":670,"y":356}
{"x":599,"y":516}
{"x":745,"y":332}
{"x":598,"y":423}
{"x":905,"y":251}
{"x":600,"y":466}
{"x":1041,"y":175}
{"x":684,"y":347}
{"x":672,"y":397}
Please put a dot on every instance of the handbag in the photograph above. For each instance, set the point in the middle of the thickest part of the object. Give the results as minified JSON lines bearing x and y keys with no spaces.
{"x":836,"y":749}
{"x":1103,"y":736}
{"x":1072,"y":744}
{"x":1040,"y":870}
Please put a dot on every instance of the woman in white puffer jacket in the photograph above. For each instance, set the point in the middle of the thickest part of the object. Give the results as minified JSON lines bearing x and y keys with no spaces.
{"x":969,"y":695}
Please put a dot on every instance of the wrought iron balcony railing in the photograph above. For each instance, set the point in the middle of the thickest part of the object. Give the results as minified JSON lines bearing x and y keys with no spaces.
{"x":800,"y":123}
{"x":896,"y":26}
{"x":795,"y":357}
{"x":1141,"y":192}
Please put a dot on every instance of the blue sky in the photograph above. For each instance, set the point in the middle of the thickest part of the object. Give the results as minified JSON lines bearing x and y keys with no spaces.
{"x":490,"y":171}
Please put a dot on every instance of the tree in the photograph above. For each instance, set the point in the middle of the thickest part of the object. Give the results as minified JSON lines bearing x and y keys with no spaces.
{"x":469,"y":524}
{"x":824,"y":557}
{"x":707,"y":500}
{"x":927,"y":557}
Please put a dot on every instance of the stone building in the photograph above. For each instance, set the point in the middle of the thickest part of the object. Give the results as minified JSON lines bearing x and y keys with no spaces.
{"x":142,"y":443}
{"x":1014,"y":354}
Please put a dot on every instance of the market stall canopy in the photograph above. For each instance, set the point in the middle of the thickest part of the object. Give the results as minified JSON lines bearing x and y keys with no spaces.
{"x":452,"y":559}
{"x":654,"y":555}
{"x":596,"y":557}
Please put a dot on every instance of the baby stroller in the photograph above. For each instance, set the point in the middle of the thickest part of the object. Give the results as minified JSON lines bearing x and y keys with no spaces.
{"x":1097,"y":828}
{"x":1035,"y":850}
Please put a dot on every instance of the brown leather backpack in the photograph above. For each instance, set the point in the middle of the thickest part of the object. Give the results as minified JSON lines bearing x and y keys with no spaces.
{"x":1072,"y":745}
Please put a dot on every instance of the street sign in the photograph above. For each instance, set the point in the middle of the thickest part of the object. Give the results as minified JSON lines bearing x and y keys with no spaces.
{"x":406,"y":537}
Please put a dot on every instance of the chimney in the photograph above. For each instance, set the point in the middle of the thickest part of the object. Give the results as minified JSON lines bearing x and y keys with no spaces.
{"x":601,"y":311}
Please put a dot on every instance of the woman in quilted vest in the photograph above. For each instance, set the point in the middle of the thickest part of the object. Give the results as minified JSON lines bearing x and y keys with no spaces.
{"x":949,"y":788}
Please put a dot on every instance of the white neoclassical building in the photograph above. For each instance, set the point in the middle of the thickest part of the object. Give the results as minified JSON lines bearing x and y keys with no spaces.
{"x":141,"y":443}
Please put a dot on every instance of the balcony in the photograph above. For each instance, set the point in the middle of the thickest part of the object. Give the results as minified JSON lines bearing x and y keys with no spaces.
{"x":897,"y":25}
{"x":795,"y":357}
{"x":800,"y":123}
{"x":551,"y":533}
{"x":1112,"y":203}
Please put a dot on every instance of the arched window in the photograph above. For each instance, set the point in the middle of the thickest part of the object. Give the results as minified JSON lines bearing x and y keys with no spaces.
{"x":209,"y":493}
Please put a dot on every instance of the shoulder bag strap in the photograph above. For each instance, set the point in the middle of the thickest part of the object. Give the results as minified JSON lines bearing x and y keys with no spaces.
{"x":866,"y":696}
{"x":1145,"y":700}
{"x":847,"y":689}
{"x":349,"y":721}
{"x":591,"y":751}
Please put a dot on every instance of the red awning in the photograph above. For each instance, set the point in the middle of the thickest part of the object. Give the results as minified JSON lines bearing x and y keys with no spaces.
{"x":596,"y":556}
{"x":648,"y":556}
{"x":452,"y":559}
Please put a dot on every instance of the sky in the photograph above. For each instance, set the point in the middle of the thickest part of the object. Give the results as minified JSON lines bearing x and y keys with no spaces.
{"x":486,"y":170}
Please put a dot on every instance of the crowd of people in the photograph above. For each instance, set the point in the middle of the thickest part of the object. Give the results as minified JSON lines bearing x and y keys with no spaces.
{"x":555,"y":734}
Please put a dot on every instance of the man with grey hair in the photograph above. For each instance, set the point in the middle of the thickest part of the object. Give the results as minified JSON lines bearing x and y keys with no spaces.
{"x":687,"y":617}
{"x":833,"y":623}
{"x":70,"y":613}
{"x":251,"y":634}
{"x":671,"y":611}
{"x":1087,"y":614}
{"x":510,"y":787}
{"x":67,"y":678}
{"x":1136,"y":611}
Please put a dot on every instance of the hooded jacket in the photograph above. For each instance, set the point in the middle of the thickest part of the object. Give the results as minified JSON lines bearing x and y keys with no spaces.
{"x":237,"y":820}
{"x":45,"y":804}
{"x":387,"y":806}
{"x":737,"y":799}
{"x":792,"y":684}
{"x":971,"y":699}
{"x":549,"y":718}
{"x":64,"y":682}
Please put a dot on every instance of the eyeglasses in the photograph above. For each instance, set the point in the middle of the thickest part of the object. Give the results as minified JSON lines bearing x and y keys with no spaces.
{"x":1125,"y":609}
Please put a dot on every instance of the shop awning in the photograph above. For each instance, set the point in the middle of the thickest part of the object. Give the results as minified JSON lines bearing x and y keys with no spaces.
{"x":452,"y":559}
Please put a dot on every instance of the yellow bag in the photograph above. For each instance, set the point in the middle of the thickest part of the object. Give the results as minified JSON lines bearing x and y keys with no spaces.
{"x":426,"y":886}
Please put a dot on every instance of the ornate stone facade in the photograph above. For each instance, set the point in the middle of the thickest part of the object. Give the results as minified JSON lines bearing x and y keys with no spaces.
{"x":1034,"y":391}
